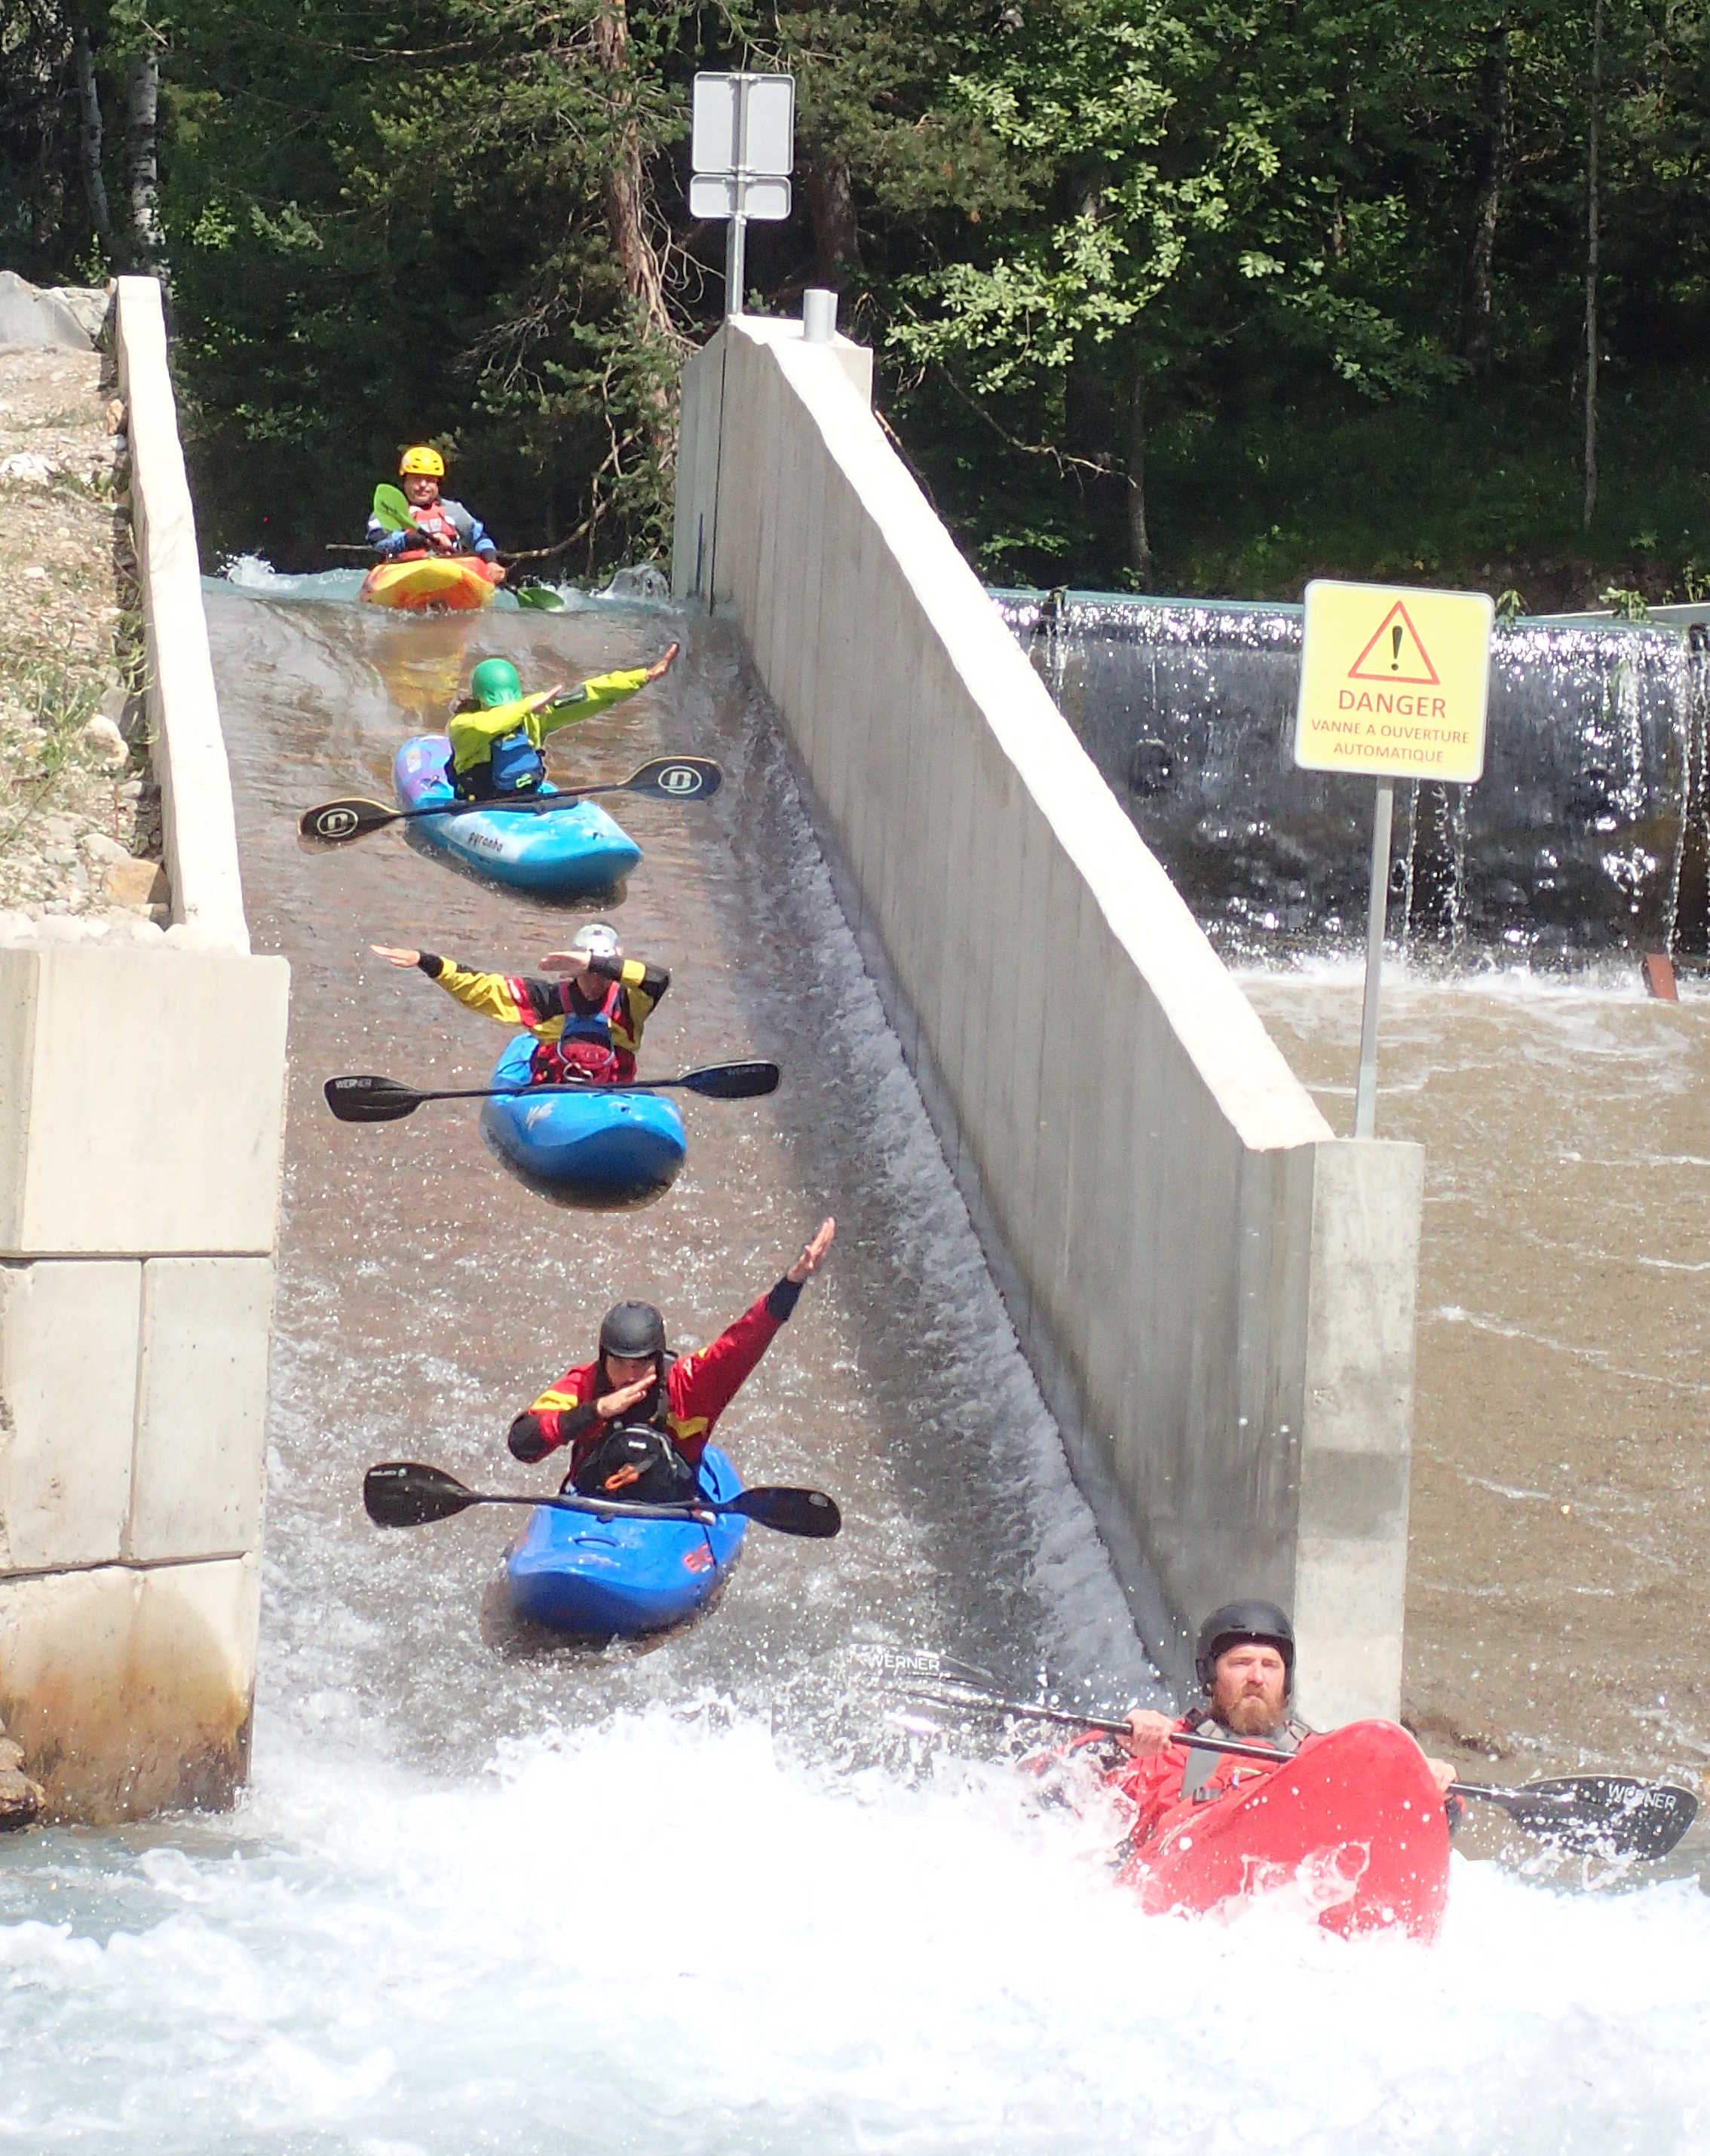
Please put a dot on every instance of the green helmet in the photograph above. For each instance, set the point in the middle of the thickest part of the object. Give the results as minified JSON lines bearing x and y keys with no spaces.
{"x":495,"y":681}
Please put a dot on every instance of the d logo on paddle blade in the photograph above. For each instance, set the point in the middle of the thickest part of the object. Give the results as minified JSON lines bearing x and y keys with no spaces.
{"x":334,"y":823}
{"x":681,"y":779}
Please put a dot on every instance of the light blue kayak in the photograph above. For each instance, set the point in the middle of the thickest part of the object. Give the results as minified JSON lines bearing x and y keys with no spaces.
{"x":605,"y":1579}
{"x":598,"y":1147}
{"x":563,"y":853}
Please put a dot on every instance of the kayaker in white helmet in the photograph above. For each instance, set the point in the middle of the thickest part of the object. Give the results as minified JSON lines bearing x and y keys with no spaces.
{"x":438,"y":525}
{"x":496,"y":732}
{"x":587,"y":1019}
{"x":1244,"y":1663}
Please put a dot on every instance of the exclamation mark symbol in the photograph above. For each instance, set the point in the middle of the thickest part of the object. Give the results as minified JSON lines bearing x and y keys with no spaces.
{"x":1395,"y":648}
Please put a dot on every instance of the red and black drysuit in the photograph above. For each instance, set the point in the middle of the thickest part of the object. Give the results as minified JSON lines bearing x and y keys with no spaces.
{"x":692,"y":1393}
{"x":576,"y":1036}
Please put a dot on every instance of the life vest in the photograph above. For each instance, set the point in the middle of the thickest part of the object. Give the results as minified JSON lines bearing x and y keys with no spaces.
{"x":1203,"y":1765}
{"x":515,"y":766}
{"x":433,"y":523}
{"x":585,"y":1047}
{"x":638,"y":1463}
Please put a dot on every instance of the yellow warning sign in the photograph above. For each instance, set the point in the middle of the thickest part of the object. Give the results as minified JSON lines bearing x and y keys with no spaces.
{"x":1393,"y":683}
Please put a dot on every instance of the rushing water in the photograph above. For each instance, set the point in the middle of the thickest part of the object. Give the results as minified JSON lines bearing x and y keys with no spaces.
{"x":1586,"y":834}
{"x":706,"y":1898}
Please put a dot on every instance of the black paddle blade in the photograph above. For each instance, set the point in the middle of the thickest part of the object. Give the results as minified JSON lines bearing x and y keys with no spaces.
{"x":732,"y":1081}
{"x":791,"y":1512}
{"x":677,"y":778}
{"x":403,"y":1494}
{"x":335,"y":822}
{"x":1604,"y":1815}
{"x":367,"y":1099}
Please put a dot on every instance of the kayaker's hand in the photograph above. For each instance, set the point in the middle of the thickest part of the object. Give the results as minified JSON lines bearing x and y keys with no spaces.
{"x":613,"y":1404}
{"x":813,"y":1252}
{"x":663,"y":666}
{"x":394,"y":955}
{"x":1150,"y":1733}
{"x":1442,"y":1773}
{"x":495,"y":571}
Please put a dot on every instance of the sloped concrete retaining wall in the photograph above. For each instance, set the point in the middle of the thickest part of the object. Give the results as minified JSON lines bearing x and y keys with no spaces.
{"x":141,"y":1113}
{"x":1216,"y":1293}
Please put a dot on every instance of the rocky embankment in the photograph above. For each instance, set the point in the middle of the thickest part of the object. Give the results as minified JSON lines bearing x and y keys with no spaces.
{"x":79,"y":814}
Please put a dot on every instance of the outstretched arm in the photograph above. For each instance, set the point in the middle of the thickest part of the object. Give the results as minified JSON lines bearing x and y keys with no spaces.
{"x":589,"y":698}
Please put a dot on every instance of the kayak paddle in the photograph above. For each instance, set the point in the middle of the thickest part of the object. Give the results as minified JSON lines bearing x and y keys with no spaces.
{"x":369,"y":1100}
{"x":1611,"y":1814}
{"x":666,"y":778}
{"x":391,"y":509}
{"x":404,"y":1494}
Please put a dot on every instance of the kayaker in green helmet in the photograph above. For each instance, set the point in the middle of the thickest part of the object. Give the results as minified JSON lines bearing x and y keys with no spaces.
{"x":496,"y":732}
{"x":1245,"y":1667}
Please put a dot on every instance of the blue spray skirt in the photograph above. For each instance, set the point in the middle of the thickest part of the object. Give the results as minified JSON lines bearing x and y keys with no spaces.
{"x":566,"y":853}
{"x":599,"y":1579}
{"x":599,"y":1147}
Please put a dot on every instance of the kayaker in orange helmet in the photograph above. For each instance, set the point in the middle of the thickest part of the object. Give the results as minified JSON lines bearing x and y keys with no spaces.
{"x":496,"y":732}
{"x":1245,"y":1667}
{"x":636,"y":1420}
{"x":438,"y":525}
{"x":586,"y":1026}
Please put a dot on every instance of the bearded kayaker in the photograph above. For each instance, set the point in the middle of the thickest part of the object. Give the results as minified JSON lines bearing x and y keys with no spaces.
{"x":636,"y":1420}
{"x":586,"y":1022}
{"x":1245,"y":1666}
{"x":496,"y":732}
{"x":437,"y":525}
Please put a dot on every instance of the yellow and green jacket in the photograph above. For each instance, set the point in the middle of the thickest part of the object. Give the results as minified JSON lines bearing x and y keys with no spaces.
{"x":574,"y":1038}
{"x":474,"y":734}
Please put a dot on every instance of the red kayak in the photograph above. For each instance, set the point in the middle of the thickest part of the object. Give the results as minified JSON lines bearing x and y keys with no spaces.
{"x":1353,"y":1822}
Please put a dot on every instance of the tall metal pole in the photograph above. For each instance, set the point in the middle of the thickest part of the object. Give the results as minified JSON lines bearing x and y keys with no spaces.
{"x":1365,"y":1097}
{"x":736,"y":241}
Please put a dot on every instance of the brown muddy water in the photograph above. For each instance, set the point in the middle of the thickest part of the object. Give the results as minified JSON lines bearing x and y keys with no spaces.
{"x":1560,"y":1530}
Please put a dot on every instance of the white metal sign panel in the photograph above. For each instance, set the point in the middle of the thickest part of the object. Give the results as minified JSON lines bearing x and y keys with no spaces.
{"x":722,"y":194}
{"x":762,"y":107}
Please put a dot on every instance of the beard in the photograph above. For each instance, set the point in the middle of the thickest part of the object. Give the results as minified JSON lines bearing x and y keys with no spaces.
{"x":1254,"y":1714}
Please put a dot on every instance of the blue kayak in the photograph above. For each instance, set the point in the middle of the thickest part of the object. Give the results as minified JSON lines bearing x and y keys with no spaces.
{"x":565,"y":853}
{"x":600,"y":1148}
{"x":601,"y":1579}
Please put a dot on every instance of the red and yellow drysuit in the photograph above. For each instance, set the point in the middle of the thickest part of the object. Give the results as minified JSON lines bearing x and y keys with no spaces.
{"x":574,"y":1038}
{"x":695,"y":1391}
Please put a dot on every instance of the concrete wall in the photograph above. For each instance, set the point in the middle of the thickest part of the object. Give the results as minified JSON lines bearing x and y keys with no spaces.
{"x":141,"y":1116}
{"x":1216,"y":1293}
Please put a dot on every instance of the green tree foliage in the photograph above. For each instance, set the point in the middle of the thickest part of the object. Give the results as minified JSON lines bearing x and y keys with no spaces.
{"x":1184,"y":292}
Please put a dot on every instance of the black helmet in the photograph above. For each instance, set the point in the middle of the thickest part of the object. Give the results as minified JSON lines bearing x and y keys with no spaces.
{"x":632,"y":1330}
{"x":1236,"y":1621}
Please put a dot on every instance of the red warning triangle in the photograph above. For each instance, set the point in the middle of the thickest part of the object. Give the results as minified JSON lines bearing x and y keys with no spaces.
{"x":1395,"y":653}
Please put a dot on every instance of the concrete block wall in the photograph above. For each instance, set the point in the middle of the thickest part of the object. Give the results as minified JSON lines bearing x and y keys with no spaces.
{"x":1216,"y":1293}
{"x":141,"y":1120}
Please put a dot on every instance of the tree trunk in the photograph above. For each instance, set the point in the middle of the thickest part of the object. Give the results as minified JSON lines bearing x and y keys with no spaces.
{"x":1490,"y":172}
{"x":1591,"y":237}
{"x":1139,"y":539}
{"x":142,"y":95}
{"x":626,"y":190}
{"x":831,"y":210}
{"x":89,"y":145}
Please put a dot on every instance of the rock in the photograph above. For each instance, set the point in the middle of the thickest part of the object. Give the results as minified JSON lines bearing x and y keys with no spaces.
{"x":28,"y":316}
{"x":104,"y":739}
{"x":101,"y":847}
{"x":27,"y":468}
{"x":21,"y":1800}
{"x":115,"y":416}
{"x":136,"y":883}
{"x":60,"y":856}
{"x":11,"y":1755}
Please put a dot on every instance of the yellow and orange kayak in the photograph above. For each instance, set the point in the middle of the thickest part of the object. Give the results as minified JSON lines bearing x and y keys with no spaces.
{"x":460,"y":582}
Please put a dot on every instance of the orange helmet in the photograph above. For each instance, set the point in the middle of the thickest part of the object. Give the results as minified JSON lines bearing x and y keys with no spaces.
{"x":421,"y":463}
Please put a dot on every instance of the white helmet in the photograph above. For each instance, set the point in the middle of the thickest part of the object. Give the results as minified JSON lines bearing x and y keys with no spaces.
{"x":600,"y":939}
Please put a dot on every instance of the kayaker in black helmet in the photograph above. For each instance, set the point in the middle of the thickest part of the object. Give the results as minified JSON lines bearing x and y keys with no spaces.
{"x":1245,"y":1662}
{"x":635,"y":1387}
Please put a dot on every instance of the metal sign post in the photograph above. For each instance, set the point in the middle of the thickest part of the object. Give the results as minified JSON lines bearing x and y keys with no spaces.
{"x":1393,"y":683}
{"x":743,"y":152}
